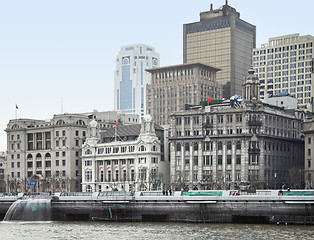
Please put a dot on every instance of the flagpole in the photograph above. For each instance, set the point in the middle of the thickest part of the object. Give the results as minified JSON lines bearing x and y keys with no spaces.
{"x":115,"y":133}
{"x":15,"y":111}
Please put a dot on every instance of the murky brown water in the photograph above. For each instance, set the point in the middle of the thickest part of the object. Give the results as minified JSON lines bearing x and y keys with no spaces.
{"x":139,"y":231}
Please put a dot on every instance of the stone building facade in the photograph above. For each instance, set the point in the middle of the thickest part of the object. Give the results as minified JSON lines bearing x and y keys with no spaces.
{"x":3,"y":174}
{"x":242,"y":143}
{"x":126,"y":158}
{"x":173,"y":87}
{"x":48,"y":153}
{"x":308,"y":131}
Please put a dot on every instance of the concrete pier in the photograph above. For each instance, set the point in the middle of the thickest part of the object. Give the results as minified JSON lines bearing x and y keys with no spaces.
{"x":265,"y":206}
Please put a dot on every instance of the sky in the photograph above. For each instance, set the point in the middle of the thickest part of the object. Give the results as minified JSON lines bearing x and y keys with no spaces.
{"x":62,"y":52}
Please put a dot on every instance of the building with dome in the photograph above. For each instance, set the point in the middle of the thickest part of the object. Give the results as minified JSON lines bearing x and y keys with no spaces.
{"x":126,"y":158}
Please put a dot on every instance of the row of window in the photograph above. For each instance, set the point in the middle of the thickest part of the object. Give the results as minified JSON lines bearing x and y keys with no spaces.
{"x":123,"y":149}
{"x":285,"y":48}
{"x":208,"y":160}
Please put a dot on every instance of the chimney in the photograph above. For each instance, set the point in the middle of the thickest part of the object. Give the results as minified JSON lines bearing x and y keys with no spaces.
{"x":211,"y":7}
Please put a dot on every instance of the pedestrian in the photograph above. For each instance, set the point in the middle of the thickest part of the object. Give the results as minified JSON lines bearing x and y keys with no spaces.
{"x":163,"y":192}
{"x":170,"y":192}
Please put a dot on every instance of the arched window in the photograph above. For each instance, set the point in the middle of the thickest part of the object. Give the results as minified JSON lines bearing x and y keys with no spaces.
{"x":154,"y":148}
{"x":47,"y":155}
{"x":125,"y":61}
{"x":38,"y":156}
{"x":29,"y":156}
{"x":15,"y":126}
{"x":60,"y":122}
{"x":142,"y":148}
{"x":88,"y":152}
{"x":80,"y":122}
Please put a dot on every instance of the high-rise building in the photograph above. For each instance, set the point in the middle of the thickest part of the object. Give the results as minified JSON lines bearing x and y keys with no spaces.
{"x":285,"y":64}
{"x":222,"y":40}
{"x":131,"y":77}
{"x":175,"y":86}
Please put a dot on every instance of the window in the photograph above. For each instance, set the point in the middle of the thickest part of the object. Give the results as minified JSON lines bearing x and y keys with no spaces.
{"x":219,"y":160}
{"x":229,"y":159}
{"x":238,"y":159}
{"x":63,"y":162}
{"x":187,"y":147}
{"x":219,"y":145}
{"x":178,"y":147}
{"x":229,"y":145}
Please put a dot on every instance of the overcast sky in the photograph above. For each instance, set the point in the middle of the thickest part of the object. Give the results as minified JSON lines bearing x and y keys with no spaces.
{"x":66,"y":49}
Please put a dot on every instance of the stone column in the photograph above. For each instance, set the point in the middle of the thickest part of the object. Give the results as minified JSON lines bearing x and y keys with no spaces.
{"x":224,"y":161}
{"x":173,"y":156}
{"x":214,"y":161}
{"x":233,"y":156}
{"x":191,"y":160}
{"x":200,"y":162}
{"x":244,"y":161}
{"x":261,"y":162}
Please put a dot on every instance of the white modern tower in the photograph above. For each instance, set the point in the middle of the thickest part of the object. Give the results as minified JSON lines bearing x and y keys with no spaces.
{"x":131,"y":77}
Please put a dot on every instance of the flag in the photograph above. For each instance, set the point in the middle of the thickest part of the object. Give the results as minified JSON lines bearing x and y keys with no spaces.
{"x":116,"y":124}
{"x":16,"y":107}
{"x":209,"y":99}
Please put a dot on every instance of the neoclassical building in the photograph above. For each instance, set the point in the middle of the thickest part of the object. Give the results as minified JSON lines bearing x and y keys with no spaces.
{"x":243,"y":143}
{"x":308,"y":131}
{"x":125,"y":158}
{"x":48,"y":152}
{"x":3,"y":175}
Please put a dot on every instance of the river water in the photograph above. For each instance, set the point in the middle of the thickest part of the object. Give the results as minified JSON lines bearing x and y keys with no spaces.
{"x":161,"y":231}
